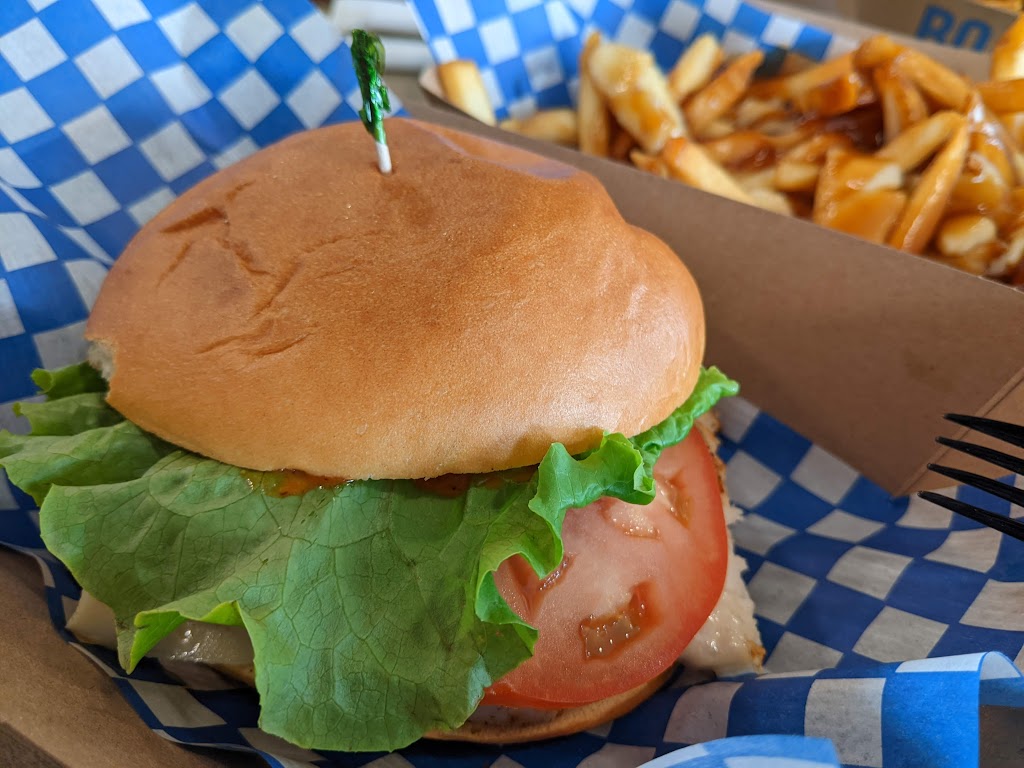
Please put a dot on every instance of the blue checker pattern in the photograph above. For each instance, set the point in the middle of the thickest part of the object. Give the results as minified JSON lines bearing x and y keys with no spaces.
{"x":874,"y":578}
{"x":108,"y":110}
{"x":528,"y":52}
{"x":123,"y":105}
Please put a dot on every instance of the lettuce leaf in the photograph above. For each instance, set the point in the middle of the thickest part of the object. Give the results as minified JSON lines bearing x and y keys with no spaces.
{"x":371,"y":606}
{"x":70,"y":380}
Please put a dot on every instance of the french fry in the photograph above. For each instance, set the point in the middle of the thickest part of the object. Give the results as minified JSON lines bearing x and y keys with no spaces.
{"x":557,"y":125}
{"x":959,"y":235}
{"x":975,"y":261}
{"x":649,"y":163}
{"x":876,"y":51}
{"x":637,"y":93}
{"x":793,"y":137}
{"x":799,"y":168}
{"x":751,"y":111}
{"x":1018,"y":162}
{"x":742,"y":148}
{"x":920,"y":217}
{"x":687,"y":161}
{"x":921,"y":141}
{"x":796,"y":175}
{"x":902,"y":102}
{"x":845,"y":173}
{"x":836,"y":97}
{"x":869,"y":174}
{"x":755,"y":180}
{"x":722,"y":93}
{"x":719,"y":129}
{"x":941,"y":83}
{"x":864,"y":172}
{"x":695,"y":68}
{"x":867,"y":214}
{"x":792,"y":86}
{"x":1003,"y":95}
{"x":794,"y":63}
{"x":830,"y":189}
{"x":463,"y":87}
{"x":592,"y":115}
{"x":1017,"y":201}
{"x":788,"y":126}
{"x":814,"y":149}
{"x":621,"y":144}
{"x":990,"y":138}
{"x":1008,"y":54}
{"x":1014,"y":125}
{"x":771,"y":200}
{"x":1010,"y":260}
{"x":980,"y":188}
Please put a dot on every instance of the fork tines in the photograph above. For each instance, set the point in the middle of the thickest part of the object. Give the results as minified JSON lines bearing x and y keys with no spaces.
{"x":1009,"y":433}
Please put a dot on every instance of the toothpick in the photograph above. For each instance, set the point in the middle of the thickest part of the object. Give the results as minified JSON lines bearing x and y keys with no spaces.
{"x":383,"y":157}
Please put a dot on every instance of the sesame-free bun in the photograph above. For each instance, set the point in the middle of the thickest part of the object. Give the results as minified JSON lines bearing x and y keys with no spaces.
{"x":508,"y":725}
{"x":301,"y":310}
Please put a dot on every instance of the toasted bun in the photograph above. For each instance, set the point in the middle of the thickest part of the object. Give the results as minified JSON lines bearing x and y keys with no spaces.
{"x":301,"y":310}
{"x":514,"y":726}
{"x":563,"y":722}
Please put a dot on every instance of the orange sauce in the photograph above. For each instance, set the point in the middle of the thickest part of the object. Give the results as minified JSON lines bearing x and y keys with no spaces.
{"x":294,"y":482}
{"x":863,"y":126}
{"x":446,"y":486}
{"x":290,"y":482}
{"x":496,"y":480}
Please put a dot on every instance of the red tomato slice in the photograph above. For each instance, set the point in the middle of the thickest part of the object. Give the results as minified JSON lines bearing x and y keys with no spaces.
{"x":636,"y":585}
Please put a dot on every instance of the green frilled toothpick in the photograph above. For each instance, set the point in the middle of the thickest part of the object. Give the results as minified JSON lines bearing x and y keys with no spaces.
{"x":368,"y":59}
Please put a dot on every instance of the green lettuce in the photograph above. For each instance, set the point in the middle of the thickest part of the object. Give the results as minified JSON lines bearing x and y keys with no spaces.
{"x":372,"y":607}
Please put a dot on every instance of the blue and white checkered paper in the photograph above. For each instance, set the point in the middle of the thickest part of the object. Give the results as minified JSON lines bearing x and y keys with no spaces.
{"x":110,"y":108}
{"x":528,"y":50}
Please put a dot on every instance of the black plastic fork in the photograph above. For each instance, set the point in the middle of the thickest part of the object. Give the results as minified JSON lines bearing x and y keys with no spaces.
{"x":1009,"y":433}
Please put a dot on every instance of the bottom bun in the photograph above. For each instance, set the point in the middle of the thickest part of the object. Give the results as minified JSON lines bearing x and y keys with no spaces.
{"x":561,"y":722}
{"x":515,"y":726}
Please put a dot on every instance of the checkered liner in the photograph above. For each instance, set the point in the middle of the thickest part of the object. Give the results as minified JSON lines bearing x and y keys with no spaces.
{"x":528,"y":50}
{"x":109,"y":108}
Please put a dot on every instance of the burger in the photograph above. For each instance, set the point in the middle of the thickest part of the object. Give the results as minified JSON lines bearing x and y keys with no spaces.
{"x":420,"y":454}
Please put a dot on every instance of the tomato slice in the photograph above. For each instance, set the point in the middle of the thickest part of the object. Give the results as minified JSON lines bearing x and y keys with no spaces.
{"x":636,"y":585}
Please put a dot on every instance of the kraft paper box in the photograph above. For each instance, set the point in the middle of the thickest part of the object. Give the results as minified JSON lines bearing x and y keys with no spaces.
{"x":958,"y":23}
{"x":859,"y":347}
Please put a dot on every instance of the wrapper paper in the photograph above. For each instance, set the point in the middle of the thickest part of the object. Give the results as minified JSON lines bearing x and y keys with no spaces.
{"x":110,"y":108}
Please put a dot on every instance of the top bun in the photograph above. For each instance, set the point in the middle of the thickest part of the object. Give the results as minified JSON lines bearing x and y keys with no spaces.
{"x":300,"y":310}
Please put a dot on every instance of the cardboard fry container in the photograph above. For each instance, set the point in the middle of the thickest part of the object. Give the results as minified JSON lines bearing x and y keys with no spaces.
{"x":968,"y":24}
{"x":860,"y":347}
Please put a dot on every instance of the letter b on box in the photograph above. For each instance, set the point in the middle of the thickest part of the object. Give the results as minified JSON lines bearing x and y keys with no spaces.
{"x":943,"y":26}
